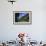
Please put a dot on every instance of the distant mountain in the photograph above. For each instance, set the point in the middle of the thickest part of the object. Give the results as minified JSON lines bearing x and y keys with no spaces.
{"x":24,"y":19}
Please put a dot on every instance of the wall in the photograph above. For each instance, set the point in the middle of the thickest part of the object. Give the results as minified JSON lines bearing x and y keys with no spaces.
{"x":9,"y":31}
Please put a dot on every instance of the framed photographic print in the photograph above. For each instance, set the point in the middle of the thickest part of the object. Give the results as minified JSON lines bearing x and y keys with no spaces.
{"x":22,"y":17}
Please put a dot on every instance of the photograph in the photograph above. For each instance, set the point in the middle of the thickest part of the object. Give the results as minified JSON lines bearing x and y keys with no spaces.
{"x":22,"y":17}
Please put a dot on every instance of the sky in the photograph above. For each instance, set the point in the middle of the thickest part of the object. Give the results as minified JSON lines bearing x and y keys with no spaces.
{"x":21,"y":15}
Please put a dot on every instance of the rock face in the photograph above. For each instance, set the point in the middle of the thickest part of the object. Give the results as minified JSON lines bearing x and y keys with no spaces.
{"x":22,"y":17}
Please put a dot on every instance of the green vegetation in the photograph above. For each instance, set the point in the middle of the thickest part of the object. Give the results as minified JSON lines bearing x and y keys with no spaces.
{"x":24,"y":19}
